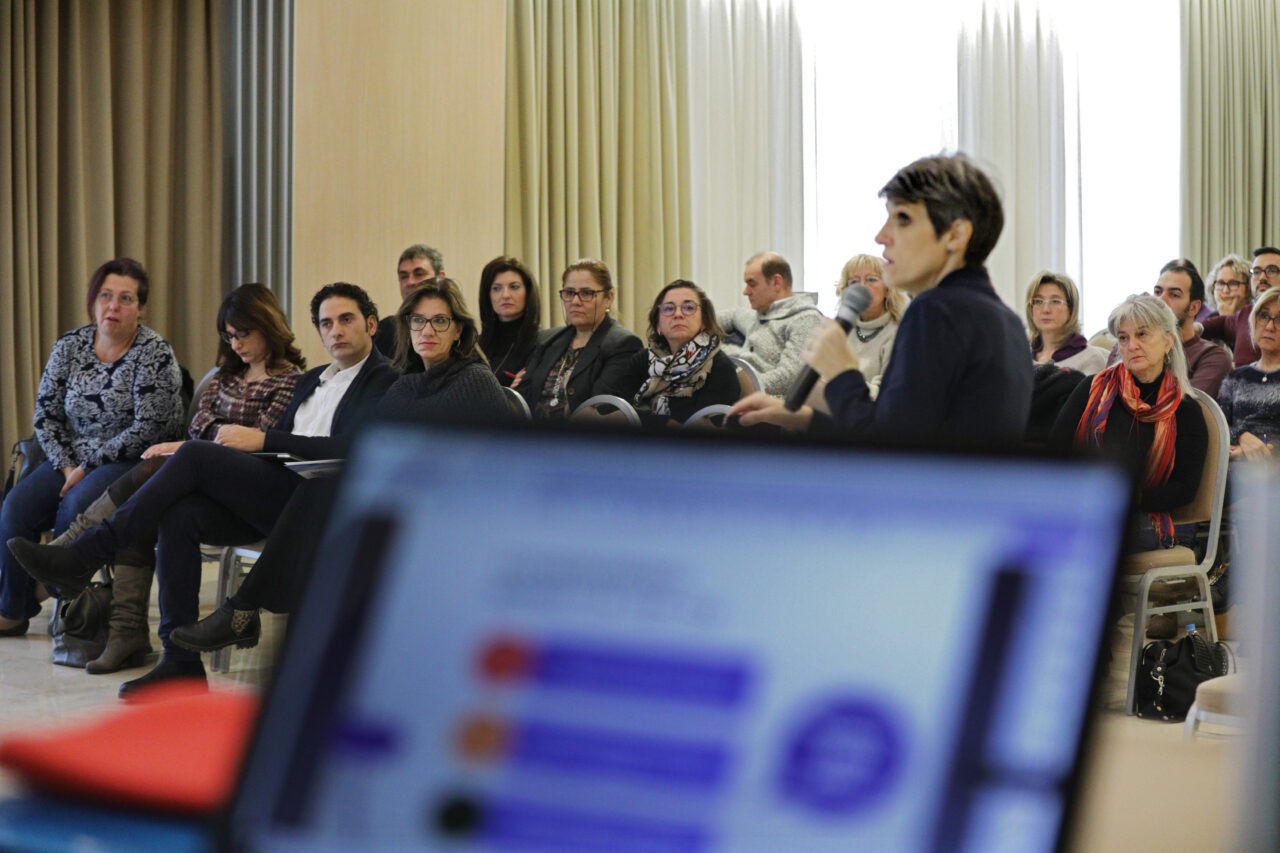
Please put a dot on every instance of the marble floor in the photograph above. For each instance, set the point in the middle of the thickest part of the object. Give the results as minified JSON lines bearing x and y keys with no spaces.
{"x":1133,"y":760}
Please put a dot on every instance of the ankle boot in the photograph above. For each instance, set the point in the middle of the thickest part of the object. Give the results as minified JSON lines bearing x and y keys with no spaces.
{"x":93,"y":514}
{"x":129,"y":639}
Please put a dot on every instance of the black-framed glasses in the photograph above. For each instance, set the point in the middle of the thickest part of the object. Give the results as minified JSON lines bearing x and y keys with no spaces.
{"x":586,"y":294}
{"x":1263,"y":318}
{"x":1270,"y":271}
{"x":1055,"y":302}
{"x":235,"y":336}
{"x":440,"y":322}
{"x":1227,"y":285}
{"x":668,"y":309}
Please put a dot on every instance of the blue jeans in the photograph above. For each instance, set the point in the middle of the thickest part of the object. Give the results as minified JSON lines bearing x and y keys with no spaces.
{"x":32,"y":507}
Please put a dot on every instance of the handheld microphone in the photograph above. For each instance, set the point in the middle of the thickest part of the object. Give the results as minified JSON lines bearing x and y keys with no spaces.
{"x":853,"y":302}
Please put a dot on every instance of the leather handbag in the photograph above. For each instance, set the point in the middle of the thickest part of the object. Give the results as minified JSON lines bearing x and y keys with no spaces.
{"x":80,"y":626}
{"x":1170,"y":671}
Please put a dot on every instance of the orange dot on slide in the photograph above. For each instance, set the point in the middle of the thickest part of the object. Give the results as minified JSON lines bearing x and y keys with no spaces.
{"x":479,"y":737}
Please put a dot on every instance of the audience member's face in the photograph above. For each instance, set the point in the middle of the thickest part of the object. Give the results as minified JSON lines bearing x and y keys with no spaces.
{"x":684,"y":321}
{"x":588,"y":303}
{"x":1263,"y":280}
{"x":761,"y":292}
{"x":1266,"y":329}
{"x":250,"y":346}
{"x":414,"y":272}
{"x":1174,"y":289}
{"x":431,"y":344}
{"x":914,"y":256}
{"x":1049,"y":309}
{"x":345,"y":332}
{"x":1142,"y":349}
{"x":117,"y":310}
{"x":507,"y":295}
{"x":872,"y":281}
{"x":1230,"y":290}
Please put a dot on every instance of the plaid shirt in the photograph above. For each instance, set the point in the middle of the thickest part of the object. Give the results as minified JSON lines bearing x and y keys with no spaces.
{"x":232,"y":400}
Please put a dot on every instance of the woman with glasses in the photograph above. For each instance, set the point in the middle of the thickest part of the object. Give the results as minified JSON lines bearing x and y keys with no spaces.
{"x":1053,"y":323}
{"x":1229,"y":284}
{"x":258,"y":366}
{"x":1233,"y":328}
{"x":510,"y":315}
{"x":873,"y":333}
{"x":109,"y":390}
{"x":1141,"y":408}
{"x":434,"y":327}
{"x":683,"y":369}
{"x":1250,"y":395}
{"x":589,"y":356}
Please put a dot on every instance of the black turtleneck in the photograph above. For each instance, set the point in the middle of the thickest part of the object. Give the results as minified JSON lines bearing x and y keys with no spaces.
{"x":505,"y":358}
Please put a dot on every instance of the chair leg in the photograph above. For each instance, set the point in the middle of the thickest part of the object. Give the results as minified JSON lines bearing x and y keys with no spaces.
{"x":1192,"y":723}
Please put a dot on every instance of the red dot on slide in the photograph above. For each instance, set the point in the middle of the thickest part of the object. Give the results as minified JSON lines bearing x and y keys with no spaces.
{"x":506,"y":659}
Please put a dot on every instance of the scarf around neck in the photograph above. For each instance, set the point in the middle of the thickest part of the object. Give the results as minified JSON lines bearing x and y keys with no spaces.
{"x":678,"y":374}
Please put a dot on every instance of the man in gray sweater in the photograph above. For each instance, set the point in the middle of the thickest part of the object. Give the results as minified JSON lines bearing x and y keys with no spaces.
{"x":771,"y":334}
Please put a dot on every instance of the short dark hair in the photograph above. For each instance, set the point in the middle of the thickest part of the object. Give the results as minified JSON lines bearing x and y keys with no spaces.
{"x":127,"y":267}
{"x":1184,"y":265}
{"x":709,"y":322}
{"x":1266,"y":250}
{"x":447,"y":290}
{"x":422,"y":250}
{"x":254,"y":308}
{"x":529,"y":321}
{"x":345,"y":289}
{"x":771,"y":264}
{"x":598,"y":269}
{"x":951,"y":187}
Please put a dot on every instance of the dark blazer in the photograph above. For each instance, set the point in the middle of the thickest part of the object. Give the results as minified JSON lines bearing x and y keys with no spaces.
{"x":721,"y":386}
{"x":602,"y":368}
{"x":356,"y":406}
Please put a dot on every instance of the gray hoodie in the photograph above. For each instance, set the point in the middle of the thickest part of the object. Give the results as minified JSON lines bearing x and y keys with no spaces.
{"x":773,"y":342}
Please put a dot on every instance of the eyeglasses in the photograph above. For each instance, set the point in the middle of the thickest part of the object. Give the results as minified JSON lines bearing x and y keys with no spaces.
{"x":440,"y":322}
{"x":126,"y":298}
{"x":1264,"y":318}
{"x":871,"y":279}
{"x":235,"y":336}
{"x":1052,"y":303}
{"x":668,"y":309}
{"x":586,"y":294}
{"x":1270,"y":271}
{"x":1227,"y":285}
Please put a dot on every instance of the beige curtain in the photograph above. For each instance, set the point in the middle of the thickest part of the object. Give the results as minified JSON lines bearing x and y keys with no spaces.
{"x":597,"y":154}
{"x":109,"y":145}
{"x":1230,"y":127}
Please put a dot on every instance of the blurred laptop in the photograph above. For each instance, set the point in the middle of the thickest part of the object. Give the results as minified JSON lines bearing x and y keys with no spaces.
{"x":534,"y":641}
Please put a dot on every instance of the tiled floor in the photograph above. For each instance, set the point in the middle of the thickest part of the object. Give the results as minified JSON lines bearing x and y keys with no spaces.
{"x":1133,"y":760}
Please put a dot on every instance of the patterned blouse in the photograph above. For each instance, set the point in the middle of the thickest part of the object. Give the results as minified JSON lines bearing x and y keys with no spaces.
{"x":1250,"y":398}
{"x":232,"y":400}
{"x":89,"y":413}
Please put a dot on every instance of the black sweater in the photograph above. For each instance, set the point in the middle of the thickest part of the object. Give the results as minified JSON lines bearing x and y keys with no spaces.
{"x":1133,"y":438}
{"x":505,"y":357}
{"x":457,"y":389}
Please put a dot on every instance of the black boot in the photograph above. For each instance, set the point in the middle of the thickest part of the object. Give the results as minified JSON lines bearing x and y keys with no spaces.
{"x":58,"y":567}
{"x":168,"y":669}
{"x":223,"y":627}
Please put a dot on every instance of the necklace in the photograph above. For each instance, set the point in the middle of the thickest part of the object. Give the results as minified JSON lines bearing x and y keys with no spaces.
{"x":867,"y":335}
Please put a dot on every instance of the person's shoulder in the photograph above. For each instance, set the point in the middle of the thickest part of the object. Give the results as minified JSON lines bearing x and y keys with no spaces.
{"x":77,"y":337}
{"x":618,"y":336}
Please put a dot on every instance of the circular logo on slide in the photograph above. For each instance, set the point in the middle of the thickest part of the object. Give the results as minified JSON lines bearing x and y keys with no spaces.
{"x":843,"y":757}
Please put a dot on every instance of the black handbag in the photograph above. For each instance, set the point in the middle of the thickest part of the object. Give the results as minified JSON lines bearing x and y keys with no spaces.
{"x":26,"y":455}
{"x":80,"y":626}
{"x":1170,"y":671}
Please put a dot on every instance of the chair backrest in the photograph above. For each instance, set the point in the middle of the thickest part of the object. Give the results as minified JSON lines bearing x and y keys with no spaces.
{"x":708,"y":417}
{"x":1207,"y":504}
{"x":749,"y":380}
{"x":608,"y":408}
{"x":197,"y":394}
{"x":519,"y":406}
{"x":1103,"y":340}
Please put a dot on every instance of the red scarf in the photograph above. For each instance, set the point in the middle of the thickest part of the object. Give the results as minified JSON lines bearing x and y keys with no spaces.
{"x":1117,"y":381}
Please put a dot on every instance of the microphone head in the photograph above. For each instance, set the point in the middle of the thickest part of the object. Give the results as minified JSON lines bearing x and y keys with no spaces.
{"x":855,"y":299}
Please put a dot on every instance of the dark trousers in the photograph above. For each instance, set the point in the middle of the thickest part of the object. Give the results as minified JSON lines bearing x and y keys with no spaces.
{"x":205,"y":493}
{"x":278,"y":577}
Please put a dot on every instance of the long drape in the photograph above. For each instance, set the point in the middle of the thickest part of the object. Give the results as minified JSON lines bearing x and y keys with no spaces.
{"x":109,"y":146}
{"x":1230,"y":127}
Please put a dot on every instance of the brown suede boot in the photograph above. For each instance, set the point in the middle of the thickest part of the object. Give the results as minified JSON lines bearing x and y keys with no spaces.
{"x":129,"y":640}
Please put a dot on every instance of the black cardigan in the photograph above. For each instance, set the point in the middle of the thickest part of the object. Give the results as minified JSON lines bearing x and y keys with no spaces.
{"x":601,"y":369}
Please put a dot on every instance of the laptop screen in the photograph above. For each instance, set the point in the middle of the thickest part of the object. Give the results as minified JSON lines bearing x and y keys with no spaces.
{"x":534,"y":640}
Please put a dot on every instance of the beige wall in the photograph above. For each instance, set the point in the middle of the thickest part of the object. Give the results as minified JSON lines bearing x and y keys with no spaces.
{"x":398,"y":139}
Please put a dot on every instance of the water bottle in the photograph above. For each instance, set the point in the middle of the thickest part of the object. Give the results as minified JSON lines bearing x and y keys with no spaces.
{"x":1201,"y":653}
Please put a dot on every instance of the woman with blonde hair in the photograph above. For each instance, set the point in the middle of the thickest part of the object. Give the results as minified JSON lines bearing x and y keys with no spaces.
{"x":872,"y":335}
{"x":1053,"y":324}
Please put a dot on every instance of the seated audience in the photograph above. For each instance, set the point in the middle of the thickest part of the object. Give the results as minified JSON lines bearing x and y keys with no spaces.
{"x":219,"y":492}
{"x":1233,"y":328}
{"x":109,"y":391}
{"x":417,"y":263}
{"x":1053,"y":321}
{"x":959,"y":368}
{"x":771,"y":334}
{"x":683,"y":369}
{"x":1141,"y":407}
{"x":510,"y":314}
{"x":590,"y":356}
{"x":258,"y":367}
{"x":1229,"y":283}
{"x":873,"y":333}
{"x":1250,"y":395}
